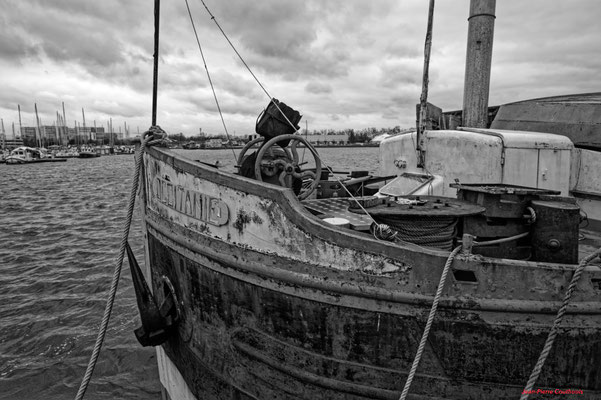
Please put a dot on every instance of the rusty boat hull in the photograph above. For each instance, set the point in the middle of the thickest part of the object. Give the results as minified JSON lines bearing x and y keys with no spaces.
{"x":277,"y":304}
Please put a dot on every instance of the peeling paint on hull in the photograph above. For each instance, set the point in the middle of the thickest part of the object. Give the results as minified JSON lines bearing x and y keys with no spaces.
{"x":305,"y":311}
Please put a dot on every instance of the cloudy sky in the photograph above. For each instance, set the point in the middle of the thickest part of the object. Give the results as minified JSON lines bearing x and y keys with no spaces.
{"x":341,"y":63}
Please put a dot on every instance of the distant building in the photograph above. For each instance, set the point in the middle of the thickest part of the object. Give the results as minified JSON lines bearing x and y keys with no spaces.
{"x":9,"y":143}
{"x":327,"y":140}
{"x":28,"y":133}
{"x":213,"y":143}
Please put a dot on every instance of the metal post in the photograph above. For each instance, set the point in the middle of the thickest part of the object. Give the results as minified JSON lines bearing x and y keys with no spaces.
{"x":155,"y":76}
{"x":478,"y":62}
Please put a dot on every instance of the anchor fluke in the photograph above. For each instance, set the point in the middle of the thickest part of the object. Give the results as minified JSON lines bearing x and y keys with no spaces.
{"x":157,"y":321}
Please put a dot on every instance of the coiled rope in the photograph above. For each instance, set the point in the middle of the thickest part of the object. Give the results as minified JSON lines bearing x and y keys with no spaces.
{"x":436,"y":232}
{"x":553,"y":333}
{"x":422,"y":343}
{"x":153,"y":136}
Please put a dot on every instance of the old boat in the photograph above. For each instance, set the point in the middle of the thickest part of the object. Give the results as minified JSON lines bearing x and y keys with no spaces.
{"x":259,"y":293}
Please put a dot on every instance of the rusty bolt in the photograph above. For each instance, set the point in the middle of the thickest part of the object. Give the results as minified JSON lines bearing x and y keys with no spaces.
{"x":554,"y":244}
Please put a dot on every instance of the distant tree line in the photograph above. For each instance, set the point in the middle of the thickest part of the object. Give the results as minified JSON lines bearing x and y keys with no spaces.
{"x":354,"y":136}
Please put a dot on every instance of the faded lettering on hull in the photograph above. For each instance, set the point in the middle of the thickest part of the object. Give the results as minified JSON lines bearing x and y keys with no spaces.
{"x":191,"y":203}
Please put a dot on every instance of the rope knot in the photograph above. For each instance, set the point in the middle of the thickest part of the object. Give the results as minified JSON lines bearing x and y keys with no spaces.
{"x":155,"y":135}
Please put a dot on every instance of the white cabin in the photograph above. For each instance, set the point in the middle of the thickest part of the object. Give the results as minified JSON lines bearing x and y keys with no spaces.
{"x":494,"y":156}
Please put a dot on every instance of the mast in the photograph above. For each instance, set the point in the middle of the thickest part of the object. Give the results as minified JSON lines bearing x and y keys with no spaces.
{"x":478,"y":62}
{"x":155,"y":75}
{"x":38,"y":140}
{"x":423,"y":100}
{"x":83,"y":115}
{"x":58,"y":133}
{"x":3,"y":135}
{"x":111,"y":139}
{"x":76,"y":134}
{"x":65,"y":123}
{"x":20,"y":126}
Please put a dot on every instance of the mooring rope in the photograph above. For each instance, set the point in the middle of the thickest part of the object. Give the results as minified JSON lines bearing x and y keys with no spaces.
{"x":553,"y":333}
{"x":150,"y":138}
{"x":422,"y":343}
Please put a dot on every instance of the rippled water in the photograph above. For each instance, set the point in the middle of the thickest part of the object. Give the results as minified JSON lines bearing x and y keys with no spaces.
{"x":61,"y":226}
{"x":60,"y":230}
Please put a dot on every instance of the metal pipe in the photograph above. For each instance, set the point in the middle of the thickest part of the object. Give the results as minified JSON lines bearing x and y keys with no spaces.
{"x":478,"y":63}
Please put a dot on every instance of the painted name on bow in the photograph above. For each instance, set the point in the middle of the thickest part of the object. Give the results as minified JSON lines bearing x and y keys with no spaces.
{"x":191,"y":203}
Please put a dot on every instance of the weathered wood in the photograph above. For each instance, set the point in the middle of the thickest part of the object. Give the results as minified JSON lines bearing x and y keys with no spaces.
{"x":431,"y":117}
{"x":421,"y":127}
{"x":576,"y":116}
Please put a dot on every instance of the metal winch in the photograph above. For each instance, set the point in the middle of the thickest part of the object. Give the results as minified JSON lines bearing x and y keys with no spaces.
{"x":537,"y":224}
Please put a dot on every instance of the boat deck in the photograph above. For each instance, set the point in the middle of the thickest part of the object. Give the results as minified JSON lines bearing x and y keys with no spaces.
{"x":336,"y":211}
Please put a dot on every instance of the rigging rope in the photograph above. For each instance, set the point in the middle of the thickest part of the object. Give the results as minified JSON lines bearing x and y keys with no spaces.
{"x":245,"y":64}
{"x":422,"y":343}
{"x":148,"y":140}
{"x":209,"y":77}
{"x":267,"y":93}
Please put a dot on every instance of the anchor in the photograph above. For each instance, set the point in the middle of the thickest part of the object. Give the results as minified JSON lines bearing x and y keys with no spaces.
{"x":158,"y":322}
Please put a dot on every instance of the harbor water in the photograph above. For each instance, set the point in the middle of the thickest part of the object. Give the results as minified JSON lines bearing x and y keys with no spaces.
{"x":61,"y":227}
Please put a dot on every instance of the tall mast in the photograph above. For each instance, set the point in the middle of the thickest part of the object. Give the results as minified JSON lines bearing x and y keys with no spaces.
{"x":76,"y":134}
{"x":423,"y":100}
{"x":65,"y":123}
{"x":155,"y":75}
{"x":20,"y":126}
{"x":3,"y":135}
{"x":38,"y":140}
{"x":58,"y":132}
{"x":83,"y":116}
{"x":478,"y":62}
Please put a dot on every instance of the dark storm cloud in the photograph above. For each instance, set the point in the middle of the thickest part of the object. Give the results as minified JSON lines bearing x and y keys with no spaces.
{"x":64,"y":36}
{"x":282,"y":37}
{"x":13,"y":44}
{"x":356,"y":60}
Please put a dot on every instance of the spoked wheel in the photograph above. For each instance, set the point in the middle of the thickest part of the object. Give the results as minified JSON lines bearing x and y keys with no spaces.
{"x":288,"y":169}
{"x":247,"y":147}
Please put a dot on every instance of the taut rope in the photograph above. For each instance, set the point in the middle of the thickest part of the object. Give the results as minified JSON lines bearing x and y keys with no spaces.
{"x":553,"y":333}
{"x":422,"y":343}
{"x":148,"y":140}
